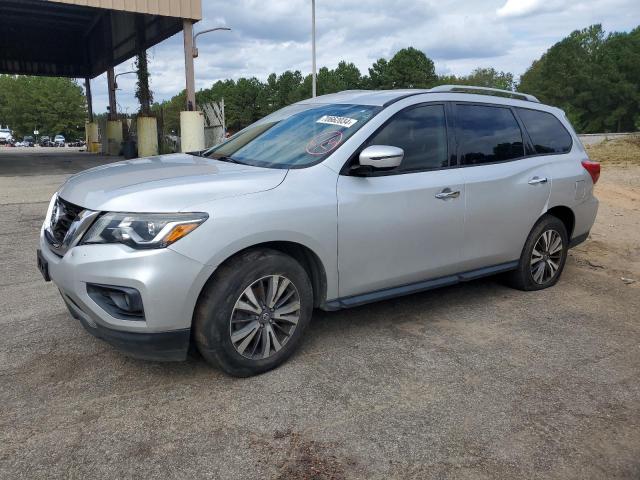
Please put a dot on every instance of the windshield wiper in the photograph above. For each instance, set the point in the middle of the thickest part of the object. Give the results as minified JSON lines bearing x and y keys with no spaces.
{"x":226,"y":158}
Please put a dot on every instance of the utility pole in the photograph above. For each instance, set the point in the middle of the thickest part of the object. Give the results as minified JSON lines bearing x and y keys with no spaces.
{"x":314,"y":76}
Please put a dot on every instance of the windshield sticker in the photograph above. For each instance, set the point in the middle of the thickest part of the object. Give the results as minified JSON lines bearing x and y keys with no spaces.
{"x":340,"y":121}
{"x":324,"y":143}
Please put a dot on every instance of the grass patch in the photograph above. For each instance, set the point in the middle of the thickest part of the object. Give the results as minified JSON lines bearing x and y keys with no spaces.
{"x":620,"y":151}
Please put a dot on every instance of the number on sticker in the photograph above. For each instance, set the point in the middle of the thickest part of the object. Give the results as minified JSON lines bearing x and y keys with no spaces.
{"x":340,"y":121}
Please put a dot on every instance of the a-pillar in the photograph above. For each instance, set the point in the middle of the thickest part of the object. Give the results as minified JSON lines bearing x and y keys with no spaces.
{"x":191,"y":121}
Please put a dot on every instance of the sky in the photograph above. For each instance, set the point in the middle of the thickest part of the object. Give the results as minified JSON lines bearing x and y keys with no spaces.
{"x":275,"y":35}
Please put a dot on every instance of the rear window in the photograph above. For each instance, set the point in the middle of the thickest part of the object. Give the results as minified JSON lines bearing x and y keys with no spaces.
{"x":546,"y":131}
{"x":487,"y":134}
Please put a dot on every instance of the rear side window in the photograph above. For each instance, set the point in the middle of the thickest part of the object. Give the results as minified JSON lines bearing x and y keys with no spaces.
{"x":487,"y":134}
{"x":422,"y":133}
{"x":547,"y":133}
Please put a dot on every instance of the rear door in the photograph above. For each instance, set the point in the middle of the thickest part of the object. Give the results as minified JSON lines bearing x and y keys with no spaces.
{"x":506,"y":189}
{"x":397,"y":227}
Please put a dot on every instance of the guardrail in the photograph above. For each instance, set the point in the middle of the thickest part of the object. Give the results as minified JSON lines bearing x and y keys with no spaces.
{"x":594,"y":138}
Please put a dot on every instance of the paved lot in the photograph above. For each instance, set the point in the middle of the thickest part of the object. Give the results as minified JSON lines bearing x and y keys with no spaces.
{"x":472,"y":381}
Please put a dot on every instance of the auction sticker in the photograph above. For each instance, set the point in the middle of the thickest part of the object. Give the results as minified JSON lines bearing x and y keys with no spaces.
{"x":324,"y":143}
{"x":340,"y":121}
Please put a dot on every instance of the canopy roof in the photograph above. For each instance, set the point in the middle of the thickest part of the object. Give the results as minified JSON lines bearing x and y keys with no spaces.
{"x":83,"y":38}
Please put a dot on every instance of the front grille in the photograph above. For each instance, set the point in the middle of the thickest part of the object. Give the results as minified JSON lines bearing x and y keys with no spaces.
{"x":62,"y":216}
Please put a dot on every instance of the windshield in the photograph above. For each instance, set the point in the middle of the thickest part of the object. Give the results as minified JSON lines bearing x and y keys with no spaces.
{"x":297,"y":140}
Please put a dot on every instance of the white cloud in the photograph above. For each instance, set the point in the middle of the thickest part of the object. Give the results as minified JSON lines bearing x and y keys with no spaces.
{"x":521,"y":8}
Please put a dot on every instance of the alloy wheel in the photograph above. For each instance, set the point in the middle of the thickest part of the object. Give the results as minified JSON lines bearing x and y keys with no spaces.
{"x":546,"y":256}
{"x":264,"y":317}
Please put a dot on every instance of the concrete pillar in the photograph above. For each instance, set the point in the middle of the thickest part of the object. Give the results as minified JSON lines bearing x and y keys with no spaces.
{"x":114,"y":137}
{"x":191,"y":131}
{"x":91,"y":136}
{"x":147,"y":136}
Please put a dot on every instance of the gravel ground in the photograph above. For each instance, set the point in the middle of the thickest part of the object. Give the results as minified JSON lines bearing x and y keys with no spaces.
{"x":471,"y":381}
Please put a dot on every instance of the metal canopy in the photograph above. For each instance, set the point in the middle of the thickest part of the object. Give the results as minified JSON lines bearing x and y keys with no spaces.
{"x":64,"y":39}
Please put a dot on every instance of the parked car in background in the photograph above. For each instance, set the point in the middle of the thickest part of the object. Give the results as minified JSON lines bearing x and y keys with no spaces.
{"x":45,"y":141}
{"x":59,"y":141}
{"x":28,"y":141}
{"x":6,"y":137}
{"x":330,"y":203}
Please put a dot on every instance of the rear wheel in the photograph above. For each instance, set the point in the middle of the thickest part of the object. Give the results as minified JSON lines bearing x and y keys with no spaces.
{"x":543,"y":256}
{"x":252,"y":315}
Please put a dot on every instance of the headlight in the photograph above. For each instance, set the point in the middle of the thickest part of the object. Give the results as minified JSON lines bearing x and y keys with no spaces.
{"x":143,"y":230}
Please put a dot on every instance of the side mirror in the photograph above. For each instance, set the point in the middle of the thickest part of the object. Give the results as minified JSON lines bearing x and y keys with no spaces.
{"x":381,"y":156}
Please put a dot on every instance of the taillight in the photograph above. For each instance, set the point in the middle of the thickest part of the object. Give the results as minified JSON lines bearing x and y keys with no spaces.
{"x":593,"y":168}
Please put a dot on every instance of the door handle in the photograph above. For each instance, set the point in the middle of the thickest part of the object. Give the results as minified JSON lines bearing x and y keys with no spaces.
{"x":447,"y":193}
{"x":537,"y":180}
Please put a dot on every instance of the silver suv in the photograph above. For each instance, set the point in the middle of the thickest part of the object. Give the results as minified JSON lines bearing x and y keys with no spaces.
{"x":329,"y":203}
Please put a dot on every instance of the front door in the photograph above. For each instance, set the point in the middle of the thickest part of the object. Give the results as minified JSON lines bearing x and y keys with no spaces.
{"x":400,"y":227}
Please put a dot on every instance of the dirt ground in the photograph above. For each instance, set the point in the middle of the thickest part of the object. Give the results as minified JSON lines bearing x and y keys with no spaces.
{"x":614,"y":245}
{"x":470,"y":381}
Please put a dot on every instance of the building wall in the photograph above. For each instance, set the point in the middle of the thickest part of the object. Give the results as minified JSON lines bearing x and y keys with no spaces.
{"x":171,"y":8}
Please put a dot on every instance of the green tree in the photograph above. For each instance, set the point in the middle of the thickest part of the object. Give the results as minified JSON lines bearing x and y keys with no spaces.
{"x":482,"y":77}
{"x":345,"y":77}
{"x":594,"y":77}
{"x":411,"y":68}
{"x":51,"y":105}
{"x":143,"y":92}
{"x":379,"y":76}
{"x":621,"y":52}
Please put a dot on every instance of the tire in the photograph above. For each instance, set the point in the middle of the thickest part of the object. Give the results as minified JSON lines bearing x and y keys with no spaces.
{"x":226,"y":311}
{"x":527,"y":276}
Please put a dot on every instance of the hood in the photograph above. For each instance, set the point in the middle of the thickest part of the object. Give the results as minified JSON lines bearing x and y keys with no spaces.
{"x":168,"y":183}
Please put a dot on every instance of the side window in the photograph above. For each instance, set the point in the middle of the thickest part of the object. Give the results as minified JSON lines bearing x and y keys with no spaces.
{"x":547,"y":133}
{"x":422,"y":133}
{"x":487,"y":134}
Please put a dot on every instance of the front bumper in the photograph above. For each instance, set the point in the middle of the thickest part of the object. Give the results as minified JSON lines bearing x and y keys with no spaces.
{"x":160,"y":346}
{"x":169,"y":284}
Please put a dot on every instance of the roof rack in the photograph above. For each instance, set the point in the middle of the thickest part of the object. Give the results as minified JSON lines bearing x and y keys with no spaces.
{"x":471,"y":89}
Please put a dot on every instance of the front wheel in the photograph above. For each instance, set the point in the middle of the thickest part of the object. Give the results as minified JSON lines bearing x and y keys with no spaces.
{"x":543,"y":256}
{"x":251,"y":316}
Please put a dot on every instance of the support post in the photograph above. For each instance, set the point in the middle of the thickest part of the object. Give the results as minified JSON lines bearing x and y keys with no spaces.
{"x":114,"y":126}
{"x":111,"y":84}
{"x":187,"y":26}
{"x":87,"y":88}
{"x":90,"y":128}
